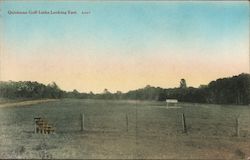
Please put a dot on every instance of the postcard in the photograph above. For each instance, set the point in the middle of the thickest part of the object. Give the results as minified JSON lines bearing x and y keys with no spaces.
{"x":124,"y":79}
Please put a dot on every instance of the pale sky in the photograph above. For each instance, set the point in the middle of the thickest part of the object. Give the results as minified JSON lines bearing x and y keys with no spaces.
{"x":124,"y":45}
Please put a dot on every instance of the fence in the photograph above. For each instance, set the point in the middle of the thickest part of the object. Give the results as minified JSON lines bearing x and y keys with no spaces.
{"x":187,"y":122}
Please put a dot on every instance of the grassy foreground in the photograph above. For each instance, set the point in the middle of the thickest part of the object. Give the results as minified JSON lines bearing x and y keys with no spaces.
{"x":125,"y":129}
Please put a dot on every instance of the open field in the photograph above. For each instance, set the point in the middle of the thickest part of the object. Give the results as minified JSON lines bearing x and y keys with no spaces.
{"x":152,"y":131}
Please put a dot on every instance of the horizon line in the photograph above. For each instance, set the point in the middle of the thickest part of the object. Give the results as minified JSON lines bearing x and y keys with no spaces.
{"x":147,"y":85}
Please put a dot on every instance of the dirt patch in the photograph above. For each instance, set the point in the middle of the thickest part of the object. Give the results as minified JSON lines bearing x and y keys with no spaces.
{"x":26,"y":103}
{"x":173,"y":107}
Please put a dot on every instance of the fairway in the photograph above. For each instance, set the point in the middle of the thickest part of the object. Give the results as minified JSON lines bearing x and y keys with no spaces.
{"x":125,"y":129}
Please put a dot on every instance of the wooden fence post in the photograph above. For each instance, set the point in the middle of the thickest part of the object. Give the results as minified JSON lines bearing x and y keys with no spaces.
{"x":35,"y":127}
{"x":82,"y":122}
{"x":127,"y":121}
{"x":237,"y":126}
{"x":184,"y":126}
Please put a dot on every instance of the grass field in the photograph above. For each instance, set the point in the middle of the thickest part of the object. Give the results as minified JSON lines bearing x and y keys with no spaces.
{"x":152,"y":130}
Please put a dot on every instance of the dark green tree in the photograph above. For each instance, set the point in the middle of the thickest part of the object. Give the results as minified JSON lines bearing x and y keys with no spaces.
{"x":183,"y":83}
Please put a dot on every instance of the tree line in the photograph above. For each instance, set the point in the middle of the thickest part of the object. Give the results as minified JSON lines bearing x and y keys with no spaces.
{"x":28,"y":89}
{"x":231,"y":90}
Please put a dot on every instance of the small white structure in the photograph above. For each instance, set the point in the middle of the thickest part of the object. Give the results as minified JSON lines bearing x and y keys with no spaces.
{"x":171,"y":102}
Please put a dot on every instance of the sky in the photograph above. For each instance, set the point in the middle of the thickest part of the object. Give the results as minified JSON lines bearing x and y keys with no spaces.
{"x":123,"y":45}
